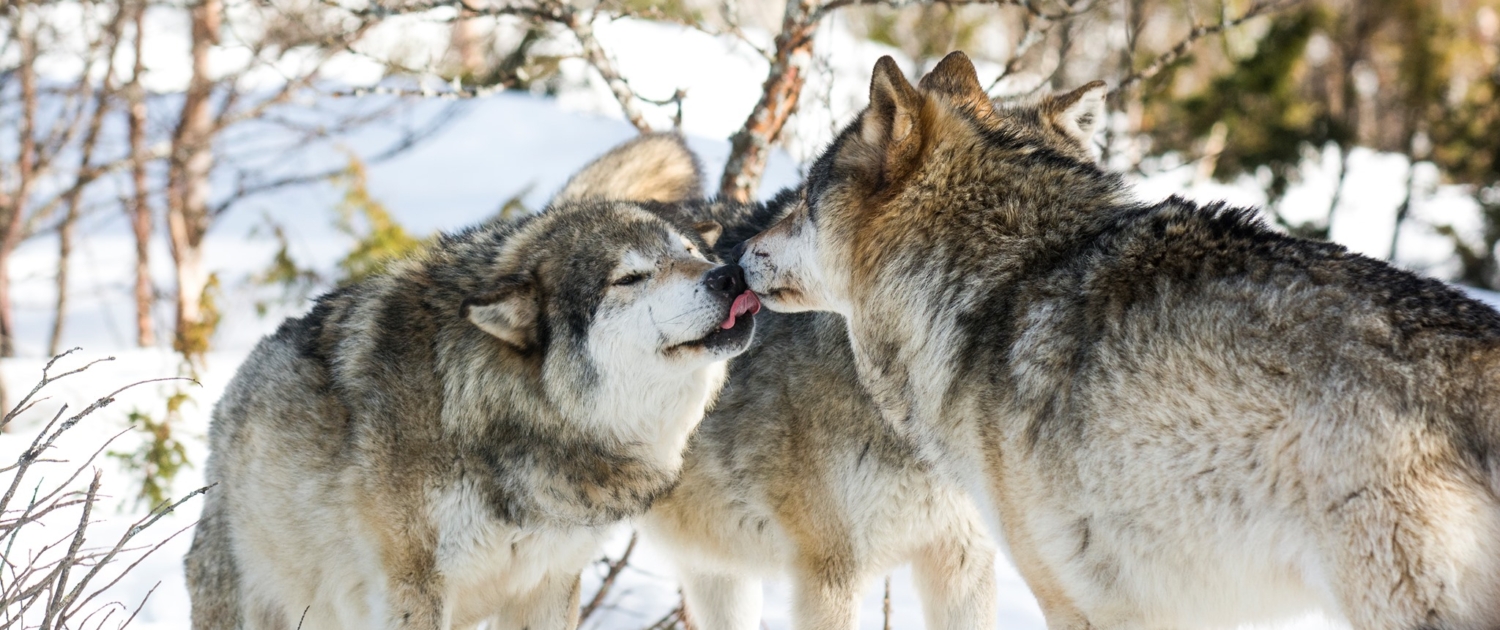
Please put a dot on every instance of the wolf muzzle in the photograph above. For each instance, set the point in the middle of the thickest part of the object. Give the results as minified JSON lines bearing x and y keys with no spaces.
{"x":727,"y":281}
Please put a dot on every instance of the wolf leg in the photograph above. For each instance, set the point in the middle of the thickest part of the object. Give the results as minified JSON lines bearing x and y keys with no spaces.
{"x":955,"y":577}
{"x":212,"y":574}
{"x":1009,"y":488}
{"x":552,"y":605}
{"x":1423,"y":553}
{"x":826,"y":595}
{"x":717,"y":601}
{"x":416,"y":606}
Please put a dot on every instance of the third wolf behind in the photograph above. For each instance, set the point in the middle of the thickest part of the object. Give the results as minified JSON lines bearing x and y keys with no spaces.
{"x":793,"y":472}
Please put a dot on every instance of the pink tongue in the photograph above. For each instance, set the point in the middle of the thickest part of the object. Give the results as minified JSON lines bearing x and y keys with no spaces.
{"x":747,"y":302}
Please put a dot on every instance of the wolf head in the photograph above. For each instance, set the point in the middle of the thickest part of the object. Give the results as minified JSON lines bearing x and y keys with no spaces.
{"x":602,"y":279}
{"x":912,"y":160}
{"x":616,"y":305}
{"x":611,"y":272}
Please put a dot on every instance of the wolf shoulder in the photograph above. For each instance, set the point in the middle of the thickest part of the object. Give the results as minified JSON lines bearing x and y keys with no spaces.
{"x":360,"y":356}
{"x":285,"y":384}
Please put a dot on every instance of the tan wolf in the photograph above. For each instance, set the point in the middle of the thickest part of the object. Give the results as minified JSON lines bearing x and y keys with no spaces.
{"x":1177,"y":416}
{"x":451,"y":441}
{"x":793,"y":472}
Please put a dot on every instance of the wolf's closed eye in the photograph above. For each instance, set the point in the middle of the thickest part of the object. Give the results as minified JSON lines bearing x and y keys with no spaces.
{"x":635,"y":278}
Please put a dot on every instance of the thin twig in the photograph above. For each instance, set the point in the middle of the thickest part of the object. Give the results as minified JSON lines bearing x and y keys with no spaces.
{"x":615,"y":567}
{"x":1039,"y":25}
{"x":885,"y":605}
{"x":583,"y":30}
{"x":669,"y":620}
{"x":56,"y":604}
{"x":139,"y":606}
{"x":1176,"y":52}
{"x":56,"y":586}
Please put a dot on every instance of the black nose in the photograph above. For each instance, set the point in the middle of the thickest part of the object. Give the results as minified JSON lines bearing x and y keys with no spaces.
{"x":737,"y":253}
{"x":728,"y":280}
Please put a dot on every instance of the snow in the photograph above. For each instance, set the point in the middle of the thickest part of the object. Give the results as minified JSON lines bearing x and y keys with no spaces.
{"x":510,"y":144}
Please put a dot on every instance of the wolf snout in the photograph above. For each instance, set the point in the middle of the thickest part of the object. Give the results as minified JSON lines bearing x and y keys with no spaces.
{"x":727,"y":281}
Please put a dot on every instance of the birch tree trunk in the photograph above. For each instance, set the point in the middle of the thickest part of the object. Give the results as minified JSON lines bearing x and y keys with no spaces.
{"x":189,"y":166}
{"x":140,"y":209}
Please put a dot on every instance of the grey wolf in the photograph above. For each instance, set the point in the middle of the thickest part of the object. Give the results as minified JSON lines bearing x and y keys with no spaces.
{"x":451,"y":441}
{"x":1176,"y":416}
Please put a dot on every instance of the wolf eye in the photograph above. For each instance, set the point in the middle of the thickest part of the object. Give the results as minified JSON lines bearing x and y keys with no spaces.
{"x":625,"y":281}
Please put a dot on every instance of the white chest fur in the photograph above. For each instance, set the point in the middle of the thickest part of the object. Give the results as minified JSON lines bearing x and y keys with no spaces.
{"x":488,"y":565}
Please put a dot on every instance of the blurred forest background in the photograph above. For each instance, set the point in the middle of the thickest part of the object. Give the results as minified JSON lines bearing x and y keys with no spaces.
{"x":158,"y":118}
{"x":167,"y":125}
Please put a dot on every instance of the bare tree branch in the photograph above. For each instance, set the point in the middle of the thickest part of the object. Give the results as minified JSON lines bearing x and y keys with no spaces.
{"x":615,"y":567}
{"x":750,"y":147}
{"x":408,"y":140}
{"x":583,"y":30}
{"x":57,"y":584}
{"x":885,"y":604}
{"x":1262,"y":7}
{"x":85,"y":174}
{"x":1038,"y":24}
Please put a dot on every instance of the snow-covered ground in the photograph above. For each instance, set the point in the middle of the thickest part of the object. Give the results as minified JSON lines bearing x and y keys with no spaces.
{"x":498,"y":147}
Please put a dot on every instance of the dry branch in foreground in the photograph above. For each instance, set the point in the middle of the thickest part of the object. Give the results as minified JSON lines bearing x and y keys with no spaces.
{"x":50,"y":578}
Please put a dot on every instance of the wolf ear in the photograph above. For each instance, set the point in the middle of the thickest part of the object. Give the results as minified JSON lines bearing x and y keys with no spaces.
{"x":955,"y":78}
{"x":892,"y":123}
{"x":651,"y":167}
{"x":709,"y":231}
{"x":509,"y":312}
{"x":1079,"y":113}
